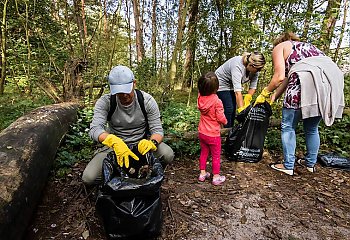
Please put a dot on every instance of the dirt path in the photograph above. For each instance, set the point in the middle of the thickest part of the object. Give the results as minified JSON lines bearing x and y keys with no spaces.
{"x":255,"y":203}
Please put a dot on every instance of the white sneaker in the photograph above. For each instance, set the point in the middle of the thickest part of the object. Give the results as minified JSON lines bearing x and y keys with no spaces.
{"x":286,"y":171}
{"x":302,"y":162}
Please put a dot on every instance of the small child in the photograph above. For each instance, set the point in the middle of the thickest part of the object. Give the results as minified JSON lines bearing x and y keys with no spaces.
{"x":211,"y":118}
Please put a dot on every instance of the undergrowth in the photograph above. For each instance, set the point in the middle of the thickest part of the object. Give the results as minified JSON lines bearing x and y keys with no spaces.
{"x":14,"y":106}
{"x":177,"y":119}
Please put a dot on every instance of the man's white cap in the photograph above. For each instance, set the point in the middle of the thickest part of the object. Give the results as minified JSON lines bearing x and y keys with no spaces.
{"x":120,"y":80}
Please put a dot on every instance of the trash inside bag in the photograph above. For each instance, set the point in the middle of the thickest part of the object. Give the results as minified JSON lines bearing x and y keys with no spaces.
{"x":334,"y":160}
{"x":245,"y":142}
{"x":130,"y":205}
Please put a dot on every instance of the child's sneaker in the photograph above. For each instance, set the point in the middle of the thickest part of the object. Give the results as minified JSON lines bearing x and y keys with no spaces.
{"x":218,"y":180}
{"x":202,"y":178}
{"x":302,"y":162}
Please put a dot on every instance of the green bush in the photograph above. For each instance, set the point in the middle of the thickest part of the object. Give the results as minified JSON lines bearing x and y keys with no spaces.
{"x":178,"y":119}
{"x":13,"y":106}
{"x":77,"y":145}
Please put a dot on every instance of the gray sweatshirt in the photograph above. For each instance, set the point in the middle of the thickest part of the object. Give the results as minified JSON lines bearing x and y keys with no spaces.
{"x":232,"y":74}
{"x":322,"y":88}
{"x":127,"y":122}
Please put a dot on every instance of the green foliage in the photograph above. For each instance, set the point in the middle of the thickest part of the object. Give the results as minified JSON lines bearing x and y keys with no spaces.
{"x":13,"y":106}
{"x":273,"y":139}
{"x":77,"y":145}
{"x":146,"y":77}
{"x":179,"y":119}
{"x":336,"y":137}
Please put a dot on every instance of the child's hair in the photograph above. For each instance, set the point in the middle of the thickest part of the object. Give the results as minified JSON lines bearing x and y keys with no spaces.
{"x":208,"y":84}
{"x":257,"y":59}
{"x":285,"y":37}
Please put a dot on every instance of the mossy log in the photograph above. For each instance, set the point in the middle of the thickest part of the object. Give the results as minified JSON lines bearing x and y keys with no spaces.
{"x":27,"y":152}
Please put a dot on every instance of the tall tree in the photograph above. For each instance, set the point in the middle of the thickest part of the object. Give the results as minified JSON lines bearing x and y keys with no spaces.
{"x":220,"y":4}
{"x":190,"y":45}
{"x":308,"y":14}
{"x":329,"y":20}
{"x":183,"y":6}
{"x":83,"y":17}
{"x":79,"y":21}
{"x":140,"y":50}
{"x":154,"y":33}
{"x":3,"y":48}
{"x":336,"y":53}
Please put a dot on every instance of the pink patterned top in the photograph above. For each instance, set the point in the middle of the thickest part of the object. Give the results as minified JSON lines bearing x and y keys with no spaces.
{"x":300,"y":50}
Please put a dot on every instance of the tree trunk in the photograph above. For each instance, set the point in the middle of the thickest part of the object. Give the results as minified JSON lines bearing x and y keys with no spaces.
{"x":83,"y":17}
{"x":154,"y":36}
{"x":129,"y":30}
{"x":97,"y":53}
{"x":220,"y":8}
{"x":187,"y":77}
{"x":308,"y":14}
{"x":330,"y":18}
{"x":27,"y":153}
{"x":346,"y":5}
{"x":105,"y":19}
{"x":139,"y":31}
{"x":183,"y":6}
{"x":73,"y":83}
{"x":3,"y":49}
{"x":69,"y":41}
{"x":28,"y":88}
{"x":115,"y":35}
{"x":79,"y":21}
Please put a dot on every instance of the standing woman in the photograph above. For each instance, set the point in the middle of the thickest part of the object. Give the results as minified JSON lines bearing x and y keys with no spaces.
{"x":313,"y":86}
{"x":232,"y":74}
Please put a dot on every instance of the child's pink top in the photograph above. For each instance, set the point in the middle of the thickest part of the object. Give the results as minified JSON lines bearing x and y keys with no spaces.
{"x":212,"y":115}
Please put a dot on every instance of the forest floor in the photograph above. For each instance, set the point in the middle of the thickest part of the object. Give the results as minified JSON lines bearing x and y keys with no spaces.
{"x":255,"y":202}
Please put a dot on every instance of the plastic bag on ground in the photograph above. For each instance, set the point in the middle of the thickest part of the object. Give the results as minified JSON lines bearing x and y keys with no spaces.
{"x":334,"y":160}
{"x":130,"y":207}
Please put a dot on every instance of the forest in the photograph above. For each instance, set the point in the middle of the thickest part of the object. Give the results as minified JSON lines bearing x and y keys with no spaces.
{"x":56,"y":51}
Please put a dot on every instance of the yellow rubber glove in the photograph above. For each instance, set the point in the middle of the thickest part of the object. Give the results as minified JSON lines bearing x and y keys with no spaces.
{"x":246,"y":100}
{"x":264,"y":96}
{"x":145,"y":145}
{"x":121,"y":150}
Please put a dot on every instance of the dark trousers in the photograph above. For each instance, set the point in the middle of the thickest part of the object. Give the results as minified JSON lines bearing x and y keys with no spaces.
{"x":228,"y":99}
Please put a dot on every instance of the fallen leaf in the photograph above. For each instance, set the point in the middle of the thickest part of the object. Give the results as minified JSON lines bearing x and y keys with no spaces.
{"x":85,"y":234}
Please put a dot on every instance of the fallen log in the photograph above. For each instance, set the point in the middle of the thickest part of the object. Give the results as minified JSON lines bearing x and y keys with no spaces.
{"x":27,"y":152}
{"x":192,"y":135}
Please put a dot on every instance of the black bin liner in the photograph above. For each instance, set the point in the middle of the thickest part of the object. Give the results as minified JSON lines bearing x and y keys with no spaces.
{"x":130,"y":207}
{"x":245,"y":141}
{"x":334,"y":160}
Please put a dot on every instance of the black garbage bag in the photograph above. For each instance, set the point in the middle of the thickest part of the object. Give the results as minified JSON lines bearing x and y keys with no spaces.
{"x":130,"y":207}
{"x":245,"y":142}
{"x":334,"y":160}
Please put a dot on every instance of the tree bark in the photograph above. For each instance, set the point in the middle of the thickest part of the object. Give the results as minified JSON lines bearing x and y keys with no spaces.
{"x":183,"y":6}
{"x":331,"y":15}
{"x":140,"y":51}
{"x":346,"y":5}
{"x":308,"y":14}
{"x":27,"y":152}
{"x":79,"y":21}
{"x":220,"y":8}
{"x":187,"y":77}
{"x":154,"y":36}
{"x":97,"y":53}
{"x":83,"y":17}
{"x":72,"y":83}
{"x":128,"y":19}
{"x":69,"y":39}
{"x":3,"y":49}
